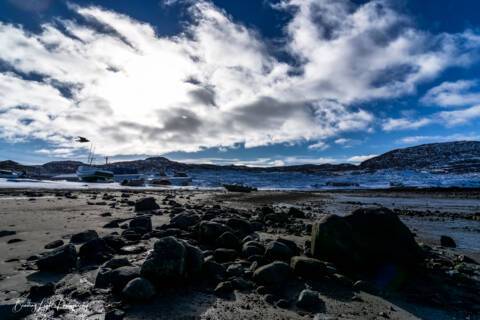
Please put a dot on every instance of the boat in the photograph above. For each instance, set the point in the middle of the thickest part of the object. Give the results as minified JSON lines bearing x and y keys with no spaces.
{"x":397,"y":184}
{"x":90,"y":173}
{"x":93,"y":174}
{"x":11,"y":174}
{"x":133,"y":182}
{"x":239,"y":188}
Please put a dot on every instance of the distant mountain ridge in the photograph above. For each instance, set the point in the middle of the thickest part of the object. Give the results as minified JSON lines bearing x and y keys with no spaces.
{"x":458,"y":156}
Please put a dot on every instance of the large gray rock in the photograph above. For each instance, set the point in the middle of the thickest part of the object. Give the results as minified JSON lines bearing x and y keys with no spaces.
{"x":209,"y":231}
{"x":61,"y":259}
{"x":171,"y":262}
{"x":185,"y":220}
{"x":308,"y":268}
{"x":228,"y":240}
{"x":146,"y":204}
{"x":309,"y":300}
{"x":275,"y":273}
{"x":251,"y":248}
{"x":141,"y":225}
{"x":241,"y":226}
{"x":276,"y":250}
{"x":365,"y":241}
{"x":117,"y":279}
{"x":84,"y":236}
{"x":95,"y":251}
{"x":138,"y":290}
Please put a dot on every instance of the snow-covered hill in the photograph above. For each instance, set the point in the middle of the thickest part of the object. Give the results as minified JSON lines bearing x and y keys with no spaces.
{"x":458,"y":156}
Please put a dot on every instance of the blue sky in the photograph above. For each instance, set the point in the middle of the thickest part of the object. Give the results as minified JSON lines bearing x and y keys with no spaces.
{"x":246,"y":82}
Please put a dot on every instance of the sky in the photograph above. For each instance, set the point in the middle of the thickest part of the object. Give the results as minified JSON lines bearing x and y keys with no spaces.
{"x":257,"y":82}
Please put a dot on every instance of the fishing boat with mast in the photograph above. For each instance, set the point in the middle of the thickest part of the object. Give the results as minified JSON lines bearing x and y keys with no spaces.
{"x":90,"y":173}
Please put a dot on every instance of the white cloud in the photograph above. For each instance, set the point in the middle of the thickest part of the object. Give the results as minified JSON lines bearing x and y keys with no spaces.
{"x":438,"y":138}
{"x":453,"y":94}
{"x":216,"y":84}
{"x":458,"y":117}
{"x":320,"y":145}
{"x":405,"y":123}
{"x":360,"y":158}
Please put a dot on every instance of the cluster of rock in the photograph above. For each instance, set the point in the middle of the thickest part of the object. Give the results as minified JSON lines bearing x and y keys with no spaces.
{"x":221,"y":249}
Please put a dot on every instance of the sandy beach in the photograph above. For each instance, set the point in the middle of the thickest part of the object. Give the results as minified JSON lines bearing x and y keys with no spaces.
{"x":40,"y":217}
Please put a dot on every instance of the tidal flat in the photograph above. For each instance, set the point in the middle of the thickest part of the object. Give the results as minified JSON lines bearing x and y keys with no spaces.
{"x":240,"y":242}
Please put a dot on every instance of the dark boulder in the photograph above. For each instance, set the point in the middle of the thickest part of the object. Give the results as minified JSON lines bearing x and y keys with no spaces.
{"x":225,"y":255}
{"x":116,"y":263}
{"x":289,"y":243}
{"x":166,"y":264}
{"x":308,"y":268}
{"x":194,"y":260}
{"x":366,"y":241}
{"x":241,"y":226}
{"x":446,"y":241}
{"x":309,"y":300}
{"x":275,"y":273}
{"x":251,"y":248}
{"x":214,"y":271}
{"x":5,"y":233}
{"x":95,"y":251}
{"x":296,"y":213}
{"x":276,"y":250}
{"x":61,"y":259}
{"x":141,"y":225}
{"x":115,"y":314}
{"x":146,"y":204}
{"x":131,"y":235}
{"x":209,"y":231}
{"x":117,"y":278}
{"x":54,"y":244}
{"x":185,"y":220}
{"x":84,"y":236}
{"x":115,"y":242}
{"x":223,"y":288}
{"x":228,"y":240}
{"x":138,"y":290}
{"x":39,"y":292}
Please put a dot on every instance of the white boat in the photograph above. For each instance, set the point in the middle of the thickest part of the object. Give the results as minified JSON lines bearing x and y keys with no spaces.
{"x":10,"y":174}
{"x":93,"y":174}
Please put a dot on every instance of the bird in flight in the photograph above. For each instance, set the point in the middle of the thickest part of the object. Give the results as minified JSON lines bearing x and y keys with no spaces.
{"x":82,"y":139}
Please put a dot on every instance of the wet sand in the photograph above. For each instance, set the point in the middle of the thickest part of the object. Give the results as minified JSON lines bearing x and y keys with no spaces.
{"x":43,"y":216}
